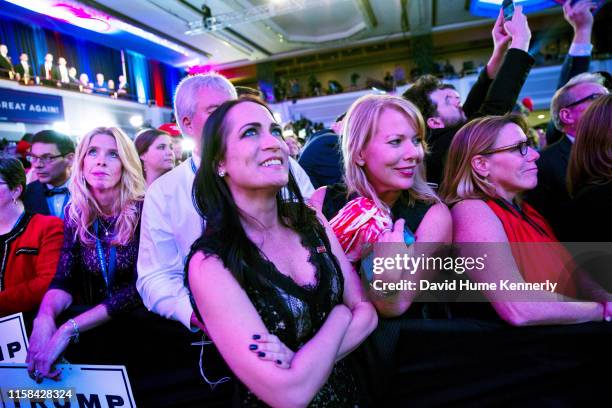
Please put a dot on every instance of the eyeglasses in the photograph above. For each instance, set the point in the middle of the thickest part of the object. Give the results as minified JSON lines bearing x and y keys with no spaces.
{"x":522,"y":147}
{"x":591,"y":97}
{"x":44,"y":159}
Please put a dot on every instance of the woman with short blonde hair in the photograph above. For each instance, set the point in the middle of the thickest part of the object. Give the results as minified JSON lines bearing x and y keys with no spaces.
{"x":97,"y":267}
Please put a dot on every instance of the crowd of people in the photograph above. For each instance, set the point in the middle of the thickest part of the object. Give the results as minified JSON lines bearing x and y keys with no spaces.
{"x":236,"y":243}
{"x":59,"y":75}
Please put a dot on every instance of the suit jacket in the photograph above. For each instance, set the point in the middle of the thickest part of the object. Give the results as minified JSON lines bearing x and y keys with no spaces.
{"x":20,"y":70}
{"x":487,"y":97}
{"x":35,"y":200}
{"x":55,"y":75}
{"x":550,"y":197}
{"x":5,"y":67}
{"x":321,"y":159}
{"x":31,"y":251}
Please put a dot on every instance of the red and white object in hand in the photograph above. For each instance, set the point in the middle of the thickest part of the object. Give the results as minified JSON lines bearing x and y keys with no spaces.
{"x":359,"y":223}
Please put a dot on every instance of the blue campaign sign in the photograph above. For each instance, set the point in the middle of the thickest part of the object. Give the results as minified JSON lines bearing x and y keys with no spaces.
{"x":29,"y":107}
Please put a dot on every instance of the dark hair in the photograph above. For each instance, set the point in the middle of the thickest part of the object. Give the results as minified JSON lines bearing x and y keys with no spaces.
{"x":145,"y":138}
{"x":13,"y":173}
{"x":248,"y":91}
{"x":64,"y":143}
{"x":224,"y":235}
{"x":591,"y":157}
{"x":420,"y":92}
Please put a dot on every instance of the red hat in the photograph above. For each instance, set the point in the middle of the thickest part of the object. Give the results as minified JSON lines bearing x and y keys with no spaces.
{"x":23,"y":147}
{"x":528,"y":102}
{"x":171,"y":129}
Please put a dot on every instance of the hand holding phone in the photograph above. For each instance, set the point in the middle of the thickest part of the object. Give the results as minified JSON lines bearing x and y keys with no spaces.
{"x":508,"y":8}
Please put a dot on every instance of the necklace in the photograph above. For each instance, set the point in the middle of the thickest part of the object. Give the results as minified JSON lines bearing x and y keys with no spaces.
{"x":107,"y":229}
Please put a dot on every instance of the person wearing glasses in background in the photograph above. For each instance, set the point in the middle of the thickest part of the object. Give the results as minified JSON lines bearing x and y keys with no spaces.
{"x":551,"y":198}
{"x":490,"y":164}
{"x":51,"y":155}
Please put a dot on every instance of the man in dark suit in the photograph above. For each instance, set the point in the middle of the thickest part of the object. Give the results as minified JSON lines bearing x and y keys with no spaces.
{"x":494,"y":92}
{"x":23,"y":70}
{"x":579,"y":16}
{"x":51,"y":156}
{"x":321,"y":157}
{"x":551,"y":197}
{"x":6,"y":67}
{"x":574,"y":96}
{"x":49,"y":73}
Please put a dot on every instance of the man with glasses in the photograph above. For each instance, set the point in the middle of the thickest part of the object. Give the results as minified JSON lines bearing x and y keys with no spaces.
{"x":551,"y":198}
{"x":51,"y":156}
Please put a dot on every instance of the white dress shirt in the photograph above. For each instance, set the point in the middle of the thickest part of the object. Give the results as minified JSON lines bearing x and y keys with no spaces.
{"x":48,"y":68}
{"x":169,"y":225}
{"x":64,"y":74}
{"x":58,"y":202}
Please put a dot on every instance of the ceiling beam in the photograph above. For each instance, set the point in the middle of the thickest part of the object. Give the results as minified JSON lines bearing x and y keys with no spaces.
{"x":420,"y":16}
{"x":129,"y":20}
{"x":369,"y":17}
{"x":231,"y":31}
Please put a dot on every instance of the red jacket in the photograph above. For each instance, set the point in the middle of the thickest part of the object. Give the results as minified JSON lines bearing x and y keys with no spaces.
{"x":31,"y":253}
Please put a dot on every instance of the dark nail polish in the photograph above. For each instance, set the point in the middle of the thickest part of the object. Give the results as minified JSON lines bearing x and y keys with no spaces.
{"x":253,"y":347}
{"x":261,"y":354}
{"x":279,"y":362}
{"x":256,"y":337}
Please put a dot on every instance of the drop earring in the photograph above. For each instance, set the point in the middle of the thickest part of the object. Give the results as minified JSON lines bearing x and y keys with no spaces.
{"x":221,"y":173}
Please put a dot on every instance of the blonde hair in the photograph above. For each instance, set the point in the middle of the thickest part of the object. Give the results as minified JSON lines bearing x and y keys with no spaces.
{"x":460,"y":181}
{"x":358,"y":128}
{"x":84,"y":208}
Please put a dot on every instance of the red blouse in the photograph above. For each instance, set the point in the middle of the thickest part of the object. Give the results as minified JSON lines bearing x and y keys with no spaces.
{"x":30,"y":253}
{"x":541,"y":261}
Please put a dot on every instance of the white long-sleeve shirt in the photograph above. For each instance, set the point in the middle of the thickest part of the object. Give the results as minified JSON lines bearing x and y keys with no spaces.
{"x":170,"y":224}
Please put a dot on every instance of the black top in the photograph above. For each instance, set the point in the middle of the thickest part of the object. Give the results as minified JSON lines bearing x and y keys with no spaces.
{"x":487,"y":97}
{"x":321,"y":158}
{"x":590,"y":214}
{"x":295,"y":313}
{"x":79,"y":271}
{"x":336,"y":198}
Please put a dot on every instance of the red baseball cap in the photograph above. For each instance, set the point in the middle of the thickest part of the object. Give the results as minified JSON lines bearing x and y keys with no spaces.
{"x":171,"y":128}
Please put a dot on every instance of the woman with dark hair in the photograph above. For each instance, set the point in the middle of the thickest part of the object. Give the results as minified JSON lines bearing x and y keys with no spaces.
{"x":490,"y":164}
{"x":589,"y":175}
{"x":29,"y":244}
{"x":97,"y":267}
{"x":268,"y":274}
{"x":156,"y":155}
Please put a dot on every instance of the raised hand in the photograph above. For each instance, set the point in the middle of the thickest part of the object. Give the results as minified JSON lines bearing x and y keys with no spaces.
{"x":500,"y":37}
{"x":518,"y":29}
{"x":580,"y":15}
